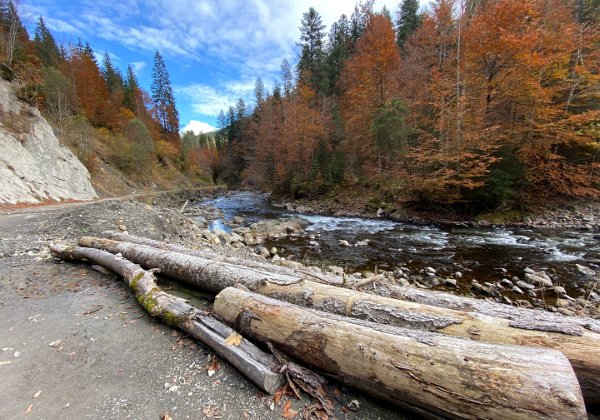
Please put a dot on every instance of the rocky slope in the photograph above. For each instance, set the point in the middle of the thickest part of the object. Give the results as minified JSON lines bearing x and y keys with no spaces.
{"x":34,"y":167}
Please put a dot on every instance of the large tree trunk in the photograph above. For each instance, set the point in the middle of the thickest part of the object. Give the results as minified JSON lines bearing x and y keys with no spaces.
{"x":515,"y":326}
{"x":255,"y":364}
{"x":444,"y":375}
{"x":251,"y":260}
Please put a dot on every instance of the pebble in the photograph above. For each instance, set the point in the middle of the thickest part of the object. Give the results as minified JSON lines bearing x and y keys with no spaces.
{"x":524,"y":285}
{"x":586,"y":271}
{"x":343,"y":242}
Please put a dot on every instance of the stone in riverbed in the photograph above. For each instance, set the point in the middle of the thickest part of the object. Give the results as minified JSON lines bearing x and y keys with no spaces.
{"x":273,"y":251}
{"x":450,"y":282}
{"x":539,"y":280}
{"x":586,"y":271}
{"x":518,"y":290}
{"x":343,"y":242}
{"x":525,"y":286}
{"x":261,"y":250}
{"x":506,"y":283}
{"x":238,"y":220}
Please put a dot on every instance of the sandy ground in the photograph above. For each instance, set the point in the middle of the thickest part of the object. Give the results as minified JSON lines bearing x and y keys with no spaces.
{"x":74,"y":344}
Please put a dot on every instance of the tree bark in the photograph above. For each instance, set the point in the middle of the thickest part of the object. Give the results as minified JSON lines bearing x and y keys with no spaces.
{"x":468,"y":318}
{"x":176,"y":312}
{"x":451,"y":377}
{"x":252,"y":260}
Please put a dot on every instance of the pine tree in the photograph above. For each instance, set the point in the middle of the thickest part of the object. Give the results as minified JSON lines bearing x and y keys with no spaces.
{"x":112,"y":75}
{"x":286,"y":78}
{"x":46,"y":45}
{"x":259,"y":92}
{"x":163,"y":97}
{"x":311,"y":65}
{"x":340,"y":43}
{"x":408,"y":20}
{"x":130,"y":99}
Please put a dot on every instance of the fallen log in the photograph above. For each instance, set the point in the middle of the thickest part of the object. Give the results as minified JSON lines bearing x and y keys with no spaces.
{"x":255,"y":364}
{"x":527,"y":327}
{"x":251,"y":260}
{"x":454,"y":378}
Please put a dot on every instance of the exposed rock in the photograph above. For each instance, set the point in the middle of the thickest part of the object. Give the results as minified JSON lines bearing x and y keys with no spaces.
{"x":506,"y":283}
{"x":517,"y":289}
{"x":238,"y":220}
{"x":261,"y":250}
{"x":538,"y":280}
{"x":363,"y":243}
{"x":343,"y":242}
{"x":273,"y":251}
{"x":586,"y":271}
{"x":34,"y":167}
{"x":450,"y":282}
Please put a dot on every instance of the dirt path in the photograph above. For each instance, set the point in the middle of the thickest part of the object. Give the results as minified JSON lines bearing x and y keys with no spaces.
{"x":74,"y":344}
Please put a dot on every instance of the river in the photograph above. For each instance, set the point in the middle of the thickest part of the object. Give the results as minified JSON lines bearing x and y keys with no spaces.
{"x":485,"y":254}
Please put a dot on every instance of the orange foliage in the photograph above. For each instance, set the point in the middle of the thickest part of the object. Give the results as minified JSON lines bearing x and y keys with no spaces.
{"x":370,"y":81}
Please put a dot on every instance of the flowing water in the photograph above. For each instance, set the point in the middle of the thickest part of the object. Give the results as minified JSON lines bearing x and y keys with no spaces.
{"x":485,"y":254}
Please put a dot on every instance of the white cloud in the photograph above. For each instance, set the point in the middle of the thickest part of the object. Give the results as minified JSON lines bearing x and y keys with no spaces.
{"x":198,"y":127}
{"x":208,"y":100}
{"x":138,"y":66}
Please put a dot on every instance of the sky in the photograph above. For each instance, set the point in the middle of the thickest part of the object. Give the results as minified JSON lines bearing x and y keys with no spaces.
{"x":214,"y":49}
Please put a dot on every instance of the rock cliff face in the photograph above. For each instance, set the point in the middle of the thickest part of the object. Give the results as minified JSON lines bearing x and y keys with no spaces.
{"x":34,"y":167}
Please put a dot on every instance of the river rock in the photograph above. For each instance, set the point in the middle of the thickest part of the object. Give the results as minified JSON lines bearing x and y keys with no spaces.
{"x":450,"y":282}
{"x":524,"y":285}
{"x":261,"y":250}
{"x":517,"y":289}
{"x":276,"y":258}
{"x":343,"y":242}
{"x":506,"y":283}
{"x":363,"y":243}
{"x":560,"y":291}
{"x":273,"y":251}
{"x":539,"y":280}
{"x":238,"y":220}
{"x":586,"y":271}
{"x":481,"y":289}
{"x":458,"y":275}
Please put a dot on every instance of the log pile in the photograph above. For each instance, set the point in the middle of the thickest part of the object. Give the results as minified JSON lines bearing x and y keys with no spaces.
{"x":435,"y":354}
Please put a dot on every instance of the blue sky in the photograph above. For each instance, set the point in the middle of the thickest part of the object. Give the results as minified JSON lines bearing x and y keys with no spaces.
{"x":214,"y":49}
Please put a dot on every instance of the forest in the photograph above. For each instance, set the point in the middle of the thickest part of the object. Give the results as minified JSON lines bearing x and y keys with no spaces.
{"x":96,"y":110}
{"x":478,"y":104}
{"x":472,"y":104}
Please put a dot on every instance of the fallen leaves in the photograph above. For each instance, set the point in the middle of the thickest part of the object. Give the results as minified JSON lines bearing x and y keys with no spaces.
{"x":165,"y":416}
{"x":287,"y":412}
{"x":234,"y":339}
{"x":37,"y":394}
{"x":28,"y":409}
{"x":213,"y":367}
{"x":5,"y":362}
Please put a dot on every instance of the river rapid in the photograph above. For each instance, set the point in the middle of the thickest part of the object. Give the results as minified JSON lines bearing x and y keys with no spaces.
{"x":484,"y":254}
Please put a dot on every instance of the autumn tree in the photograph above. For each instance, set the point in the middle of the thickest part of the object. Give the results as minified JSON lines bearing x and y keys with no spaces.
{"x":90,"y":86}
{"x":370,"y":82}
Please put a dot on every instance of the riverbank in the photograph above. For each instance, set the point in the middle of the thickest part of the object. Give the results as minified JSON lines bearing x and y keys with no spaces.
{"x":75,"y":343}
{"x":559,"y":213}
